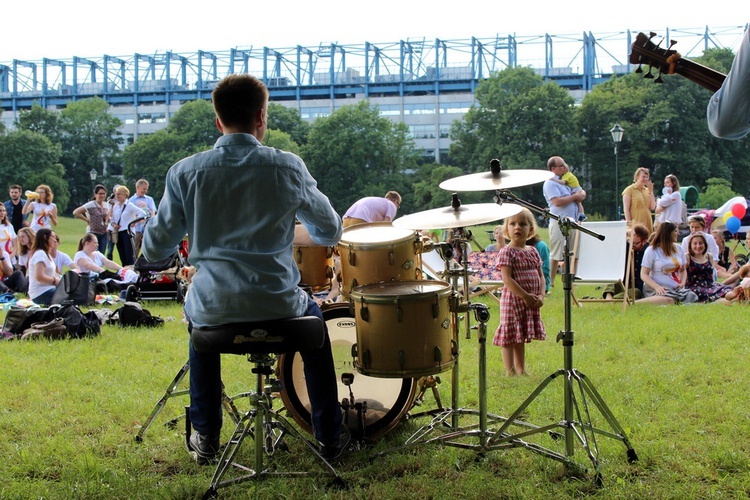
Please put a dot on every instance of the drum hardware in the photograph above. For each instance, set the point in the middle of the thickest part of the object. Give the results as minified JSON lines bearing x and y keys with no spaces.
{"x":349,"y":404}
{"x":496,"y":179}
{"x":576,"y":424}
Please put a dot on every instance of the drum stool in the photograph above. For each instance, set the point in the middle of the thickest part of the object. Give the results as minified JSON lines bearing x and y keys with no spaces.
{"x":260,"y":341}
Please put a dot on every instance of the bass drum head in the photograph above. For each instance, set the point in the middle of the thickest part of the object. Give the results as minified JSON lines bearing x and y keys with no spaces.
{"x":387,"y":400}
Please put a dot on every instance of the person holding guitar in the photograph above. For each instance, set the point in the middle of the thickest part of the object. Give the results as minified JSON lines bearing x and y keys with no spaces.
{"x":728,"y":111}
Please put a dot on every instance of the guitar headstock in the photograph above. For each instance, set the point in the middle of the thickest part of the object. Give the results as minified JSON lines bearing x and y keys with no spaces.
{"x":644,"y":51}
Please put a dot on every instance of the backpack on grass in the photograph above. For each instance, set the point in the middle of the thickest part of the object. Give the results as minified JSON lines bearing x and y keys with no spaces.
{"x":133,"y":314}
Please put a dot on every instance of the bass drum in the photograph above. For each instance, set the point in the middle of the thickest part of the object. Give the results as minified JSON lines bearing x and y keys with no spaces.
{"x":386,"y":401}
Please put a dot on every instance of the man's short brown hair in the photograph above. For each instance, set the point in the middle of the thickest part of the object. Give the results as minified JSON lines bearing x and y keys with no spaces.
{"x":237,"y":99}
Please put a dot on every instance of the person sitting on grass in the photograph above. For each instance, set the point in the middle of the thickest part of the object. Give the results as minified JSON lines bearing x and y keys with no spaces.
{"x":663,"y":269}
{"x":701,"y":268}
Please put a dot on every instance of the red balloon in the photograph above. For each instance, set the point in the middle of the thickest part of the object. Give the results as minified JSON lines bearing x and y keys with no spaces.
{"x":738,"y":210}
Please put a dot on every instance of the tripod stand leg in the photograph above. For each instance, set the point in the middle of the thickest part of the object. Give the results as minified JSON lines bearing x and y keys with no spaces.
{"x":170,"y":392}
{"x":619,"y":433}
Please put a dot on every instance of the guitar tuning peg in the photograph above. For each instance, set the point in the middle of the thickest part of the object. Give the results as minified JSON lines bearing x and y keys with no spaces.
{"x":649,"y":74}
{"x":639,"y":70}
{"x":659,"y":79}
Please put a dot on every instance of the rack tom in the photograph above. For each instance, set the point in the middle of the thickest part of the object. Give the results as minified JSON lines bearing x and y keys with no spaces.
{"x":403,"y":328}
{"x":377,"y":251}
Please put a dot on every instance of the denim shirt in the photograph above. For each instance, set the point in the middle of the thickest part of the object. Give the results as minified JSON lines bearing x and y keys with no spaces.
{"x":238,"y":203}
{"x":728,"y":111}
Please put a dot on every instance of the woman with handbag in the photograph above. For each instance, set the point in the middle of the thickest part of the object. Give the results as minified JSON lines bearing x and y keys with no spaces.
{"x":43,"y":279}
{"x":123,"y":213}
{"x":96,"y":214}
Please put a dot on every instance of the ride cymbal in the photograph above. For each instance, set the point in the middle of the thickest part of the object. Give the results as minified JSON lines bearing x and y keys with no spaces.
{"x":463,"y":216}
{"x":487,"y":181}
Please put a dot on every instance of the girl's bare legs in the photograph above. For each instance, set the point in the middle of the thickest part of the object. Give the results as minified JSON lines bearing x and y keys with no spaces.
{"x":519,"y":358}
{"x":508,"y":358}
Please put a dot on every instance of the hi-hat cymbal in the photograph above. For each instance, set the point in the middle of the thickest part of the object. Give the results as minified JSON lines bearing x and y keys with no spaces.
{"x":487,"y":181}
{"x":464,"y":216}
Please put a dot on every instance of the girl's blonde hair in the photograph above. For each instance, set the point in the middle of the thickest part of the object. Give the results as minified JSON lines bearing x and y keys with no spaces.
{"x":524,"y":214}
{"x":22,"y":249}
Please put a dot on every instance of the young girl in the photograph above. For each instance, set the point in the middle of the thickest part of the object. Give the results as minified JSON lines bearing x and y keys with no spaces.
{"x":738,"y":293}
{"x":523,"y":295}
{"x":700,"y":272}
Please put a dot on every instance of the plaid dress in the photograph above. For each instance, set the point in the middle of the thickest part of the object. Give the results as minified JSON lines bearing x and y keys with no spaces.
{"x":518,"y":322}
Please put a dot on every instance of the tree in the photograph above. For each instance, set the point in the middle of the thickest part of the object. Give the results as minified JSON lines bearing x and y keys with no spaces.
{"x":29,"y":159}
{"x":280,"y":140}
{"x":288,"y":120}
{"x":196,"y":123}
{"x":191,"y":130}
{"x":150,"y":157}
{"x":40,"y":120}
{"x":354,"y":153}
{"x":717,"y":192}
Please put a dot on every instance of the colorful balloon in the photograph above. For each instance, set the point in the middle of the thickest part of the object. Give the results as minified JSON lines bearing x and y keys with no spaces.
{"x":726,"y":216}
{"x":738,"y":210}
{"x":733,"y":224}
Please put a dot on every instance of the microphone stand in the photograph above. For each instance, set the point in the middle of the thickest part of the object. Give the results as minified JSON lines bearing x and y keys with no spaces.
{"x":576,"y":423}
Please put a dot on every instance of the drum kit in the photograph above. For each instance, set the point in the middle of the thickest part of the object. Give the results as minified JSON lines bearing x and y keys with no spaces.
{"x":399,"y":331}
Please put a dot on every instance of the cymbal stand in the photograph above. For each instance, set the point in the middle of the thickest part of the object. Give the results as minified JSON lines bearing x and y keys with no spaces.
{"x":576,"y":423}
{"x":441,"y":416}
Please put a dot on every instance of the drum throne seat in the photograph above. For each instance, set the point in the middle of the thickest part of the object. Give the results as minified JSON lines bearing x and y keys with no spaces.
{"x":261,"y":342}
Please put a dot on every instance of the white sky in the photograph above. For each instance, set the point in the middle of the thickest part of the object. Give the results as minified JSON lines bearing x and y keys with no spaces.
{"x":87,"y":28}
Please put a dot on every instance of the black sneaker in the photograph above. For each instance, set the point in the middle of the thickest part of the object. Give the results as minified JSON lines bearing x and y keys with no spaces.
{"x":334,"y":451}
{"x":205,"y":448}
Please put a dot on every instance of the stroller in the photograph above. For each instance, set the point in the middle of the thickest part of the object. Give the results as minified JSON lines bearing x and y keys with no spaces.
{"x":164,"y":279}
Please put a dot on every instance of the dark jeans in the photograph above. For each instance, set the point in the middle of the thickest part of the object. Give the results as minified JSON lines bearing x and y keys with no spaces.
{"x":44,"y":299}
{"x":16,"y":282}
{"x":125,"y":248}
{"x":320,"y":377}
{"x":102,"y":239}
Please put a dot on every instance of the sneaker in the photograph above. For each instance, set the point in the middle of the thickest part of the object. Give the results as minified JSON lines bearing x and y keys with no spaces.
{"x":204,"y":447}
{"x":333,"y":452}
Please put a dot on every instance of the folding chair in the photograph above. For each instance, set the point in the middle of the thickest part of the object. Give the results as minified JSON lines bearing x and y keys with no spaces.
{"x":487,"y":279}
{"x":602,"y":262}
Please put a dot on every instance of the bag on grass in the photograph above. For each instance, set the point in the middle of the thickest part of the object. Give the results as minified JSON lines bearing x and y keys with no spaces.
{"x":52,"y":330}
{"x":133,"y":314}
{"x":19,"y":319}
{"x":75,"y":288}
{"x":78,"y":323}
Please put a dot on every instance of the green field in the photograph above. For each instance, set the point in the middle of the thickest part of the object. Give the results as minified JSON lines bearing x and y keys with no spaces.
{"x":675,"y":377}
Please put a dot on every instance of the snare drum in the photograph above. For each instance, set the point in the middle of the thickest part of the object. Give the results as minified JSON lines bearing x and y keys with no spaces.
{"x":385,"y":402}
{"x":404,"y":328}
{"x":375,"y":252}
{"x":315,"y":266}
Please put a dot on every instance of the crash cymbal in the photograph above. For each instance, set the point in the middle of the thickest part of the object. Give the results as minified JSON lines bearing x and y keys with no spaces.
{"x":487,"y":181}
{"x":463,"y":216}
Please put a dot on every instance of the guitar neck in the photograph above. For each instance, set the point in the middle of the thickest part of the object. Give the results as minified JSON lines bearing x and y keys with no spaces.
{"x":697,"y":73}
{"x":668,"y":61}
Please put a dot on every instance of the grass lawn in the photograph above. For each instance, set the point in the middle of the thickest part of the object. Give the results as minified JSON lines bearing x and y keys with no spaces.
{"x":675,"y":377}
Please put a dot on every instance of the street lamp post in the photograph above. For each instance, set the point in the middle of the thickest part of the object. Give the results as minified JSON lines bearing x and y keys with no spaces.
{"x":617,"y":132}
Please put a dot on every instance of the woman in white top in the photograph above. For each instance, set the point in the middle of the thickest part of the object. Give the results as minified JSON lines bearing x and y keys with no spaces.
{"x":45,"y":212}
{"x":7,"y":233}
{"x":663,"y":269}
{"x":22,"y":252}
{"x":96,"y":214}
{"x":669,"y":206}
{"x":42,"y":276}
{"x":123,"y":213}
{"x":89,"y":258}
